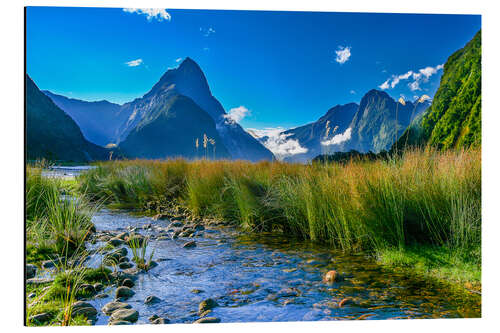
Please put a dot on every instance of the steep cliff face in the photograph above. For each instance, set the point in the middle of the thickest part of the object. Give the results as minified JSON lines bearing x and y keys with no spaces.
{"x":52,"y":134}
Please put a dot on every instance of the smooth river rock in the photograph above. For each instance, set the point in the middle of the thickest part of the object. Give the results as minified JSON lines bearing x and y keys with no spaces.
{"x":124,"y":292}
{"x":125,"y":314}
{"x":83,"y":308}
{"x":151,"y":300}
{"x":207,"y":304}
{"x":111,"y":307}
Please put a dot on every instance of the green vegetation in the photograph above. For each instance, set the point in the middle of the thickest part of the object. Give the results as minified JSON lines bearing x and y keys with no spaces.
{"x":421,"y":198}
{"x":55,"y":299}
{"x":56,"y":229}
{"x":55,"y":226}
{"x":454,"y":118}
{"x":139,"y":245}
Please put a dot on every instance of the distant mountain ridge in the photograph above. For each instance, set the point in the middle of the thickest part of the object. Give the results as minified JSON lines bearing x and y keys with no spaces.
{"x":53,"y":135}
{"x":310,"y":136}
{"x":379,"y":121}
{"x":370,"y":126}
{"x":99,"y":121}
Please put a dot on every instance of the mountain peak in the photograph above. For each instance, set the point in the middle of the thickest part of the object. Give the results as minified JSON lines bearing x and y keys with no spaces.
{"x":188,"y":62}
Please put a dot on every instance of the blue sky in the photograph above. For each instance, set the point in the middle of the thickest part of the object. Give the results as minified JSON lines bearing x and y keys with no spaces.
{"x":272,"y":68}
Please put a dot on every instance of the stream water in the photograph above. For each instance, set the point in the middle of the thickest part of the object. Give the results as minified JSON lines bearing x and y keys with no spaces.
{"x":266,"y":277}
{"x":270,"y":278}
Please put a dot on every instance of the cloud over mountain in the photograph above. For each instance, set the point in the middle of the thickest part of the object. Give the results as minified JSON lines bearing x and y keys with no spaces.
{"x":416,"y":78}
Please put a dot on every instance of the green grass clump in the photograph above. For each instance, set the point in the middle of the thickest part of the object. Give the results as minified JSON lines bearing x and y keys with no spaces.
{"x":417,"y":198}
{"x":54,"y":224}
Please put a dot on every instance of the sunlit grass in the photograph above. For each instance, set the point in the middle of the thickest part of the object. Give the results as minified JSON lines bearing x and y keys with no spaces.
{"x":430,"y":198}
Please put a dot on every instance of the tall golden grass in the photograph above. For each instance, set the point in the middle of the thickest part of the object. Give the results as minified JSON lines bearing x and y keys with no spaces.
{"x":420,"y":197}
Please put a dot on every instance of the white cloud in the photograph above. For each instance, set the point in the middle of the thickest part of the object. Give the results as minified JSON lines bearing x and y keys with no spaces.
{"x":178,"y":60}
{"x":343,"y":54}
{"x":384,"y":85}
{"x":151,"y":13}
{"x":422,"y":75}
{"x":237,"y":114}
{"x":207,"y":32}
{"x":134,"y":63}
{"x":339,"y":138}
{"x":277,"y":142}
{"x":352,"y":92}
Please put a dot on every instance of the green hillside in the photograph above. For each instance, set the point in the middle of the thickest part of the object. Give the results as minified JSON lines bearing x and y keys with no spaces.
{"x":454,"y":118}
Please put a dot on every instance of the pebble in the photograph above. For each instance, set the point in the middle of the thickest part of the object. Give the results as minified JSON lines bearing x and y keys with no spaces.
{"x":330,"y":276}
{"x":160,"y":321}
{"x":207,"y":320}
{"x":151,"y":300}
{"x":207,"y":304}
{"x":189,"y":244}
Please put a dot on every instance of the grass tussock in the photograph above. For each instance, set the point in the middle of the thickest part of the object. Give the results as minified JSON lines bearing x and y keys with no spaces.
{"x":429,"y":198}
{"x":56,"y":225}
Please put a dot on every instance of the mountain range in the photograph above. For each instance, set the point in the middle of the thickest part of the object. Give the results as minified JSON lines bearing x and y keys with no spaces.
{"x":372,"y":126}
{"x":179,"y":117}
{"x":166,"y":122}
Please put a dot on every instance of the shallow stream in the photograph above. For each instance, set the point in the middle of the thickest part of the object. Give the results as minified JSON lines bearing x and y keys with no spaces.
{"x":270,"y":278}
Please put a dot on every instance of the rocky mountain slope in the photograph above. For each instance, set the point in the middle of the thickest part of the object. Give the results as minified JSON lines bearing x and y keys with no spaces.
{"x":52,"y":134}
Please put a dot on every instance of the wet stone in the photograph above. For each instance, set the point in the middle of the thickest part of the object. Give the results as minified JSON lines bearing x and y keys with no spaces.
{"x":207,"y":304}
{"x":197,"y":291}
{"x":119,"y":322}
{"x":151,"y":300}
{"x":160,"y":321}
{"x":83,"y":308}
{"x":125,"y":314}
{"x":189,"y":244}
{"x":30,"y":271}
{"x":111,"y":307}
{"x":124,"y":292}
{"x":331,"y":276}
{"x":41,"y":317}
{"x":115,"y":241}
{"x":125,"y":265}
{"x":207,"y":320}
{"x":128,"y":283}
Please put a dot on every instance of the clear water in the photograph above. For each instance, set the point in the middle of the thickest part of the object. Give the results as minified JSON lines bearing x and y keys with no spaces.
{"x":250,"y":277}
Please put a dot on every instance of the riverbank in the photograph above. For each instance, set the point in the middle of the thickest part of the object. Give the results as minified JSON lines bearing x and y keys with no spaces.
{"x":419,"y":212}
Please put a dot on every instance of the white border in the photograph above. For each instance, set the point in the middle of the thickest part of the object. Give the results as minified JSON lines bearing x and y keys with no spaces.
{"x":11,"y":137}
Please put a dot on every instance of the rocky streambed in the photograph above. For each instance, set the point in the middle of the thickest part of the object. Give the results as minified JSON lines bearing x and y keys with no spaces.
{"x":209,"y":272}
